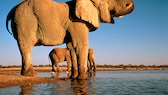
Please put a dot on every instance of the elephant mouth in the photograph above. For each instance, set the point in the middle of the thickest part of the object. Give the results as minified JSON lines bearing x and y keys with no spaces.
{"x":114,"y":14}
{"x":120,"y":13}
{"x":112,"y":18}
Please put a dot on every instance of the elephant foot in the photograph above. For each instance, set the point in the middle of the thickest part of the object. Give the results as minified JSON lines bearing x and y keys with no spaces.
{"x":82,"y":76}
{"x":30,"y":72}
{"x":94,"y":70}
{"x":74,"y":75}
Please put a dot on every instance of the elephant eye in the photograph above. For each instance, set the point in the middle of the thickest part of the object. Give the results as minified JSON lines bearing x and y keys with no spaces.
{"x":126,"y":5}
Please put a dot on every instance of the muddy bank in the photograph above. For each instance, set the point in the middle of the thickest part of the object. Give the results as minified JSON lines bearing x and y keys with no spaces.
{"x":14,"y":80}
{"x":11,"y":77}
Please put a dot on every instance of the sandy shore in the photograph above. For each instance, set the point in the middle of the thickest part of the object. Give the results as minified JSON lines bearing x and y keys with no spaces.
{"x":11,"y":76}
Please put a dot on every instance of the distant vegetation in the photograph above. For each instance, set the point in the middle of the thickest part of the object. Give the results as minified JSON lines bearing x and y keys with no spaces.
{"x":18,"y":66}
{"x":132,"y":66}
{"x":121,"y":66}
{"x":135,"y":67}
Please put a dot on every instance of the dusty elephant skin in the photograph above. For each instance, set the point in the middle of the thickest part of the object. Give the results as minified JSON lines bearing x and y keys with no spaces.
{"x":58,"y":55}
{"x":91,"y":60}
{"x":48,"y":23}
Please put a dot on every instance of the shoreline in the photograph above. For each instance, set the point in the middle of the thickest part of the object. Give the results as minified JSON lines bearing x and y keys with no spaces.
{"x":49,"y":69}
{"x":11,"y":76}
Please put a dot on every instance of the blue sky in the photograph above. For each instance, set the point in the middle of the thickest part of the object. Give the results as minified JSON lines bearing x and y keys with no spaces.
{"x":139,"y":38}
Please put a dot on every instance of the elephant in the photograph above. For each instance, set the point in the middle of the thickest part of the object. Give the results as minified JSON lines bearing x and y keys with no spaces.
{"x":50,"y":23}
{"x":60,"y":55}
{"x":57,"y":55}
{"x":91,"y":60}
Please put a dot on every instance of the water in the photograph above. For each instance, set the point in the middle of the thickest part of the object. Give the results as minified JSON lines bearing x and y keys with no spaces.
{"x":103,"y":83}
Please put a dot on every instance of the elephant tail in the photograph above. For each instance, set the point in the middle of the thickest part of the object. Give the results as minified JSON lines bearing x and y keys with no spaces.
{"x":50,"y":56}
{"x":10,"y":17}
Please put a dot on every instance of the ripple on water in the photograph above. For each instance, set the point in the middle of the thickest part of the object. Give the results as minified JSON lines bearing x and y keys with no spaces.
{"x":103,"y":83}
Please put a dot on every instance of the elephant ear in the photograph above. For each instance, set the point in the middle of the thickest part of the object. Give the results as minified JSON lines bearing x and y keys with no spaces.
{"x":86,"y":11}
{"x":104,"y":12}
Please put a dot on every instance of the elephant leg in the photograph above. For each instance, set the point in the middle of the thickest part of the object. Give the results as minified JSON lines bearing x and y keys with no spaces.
{"x":27,"y":67}
{"x":94,"y":65}
{"x":82,"y":62}
{"x":69,"y":63}
{"x":74,"y":70}
{"x":53,"y":69}
{"x":89,"y":66}
{"x":79,"y":34}
{"x":53,"y":65}
{"x":53,"y":60}
{"x":26,"y":36}
{"x":58,"y":69}
{"x":57,"y":66}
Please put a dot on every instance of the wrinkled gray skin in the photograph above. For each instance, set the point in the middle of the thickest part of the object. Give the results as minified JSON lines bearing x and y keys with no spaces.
{"x":49,"y":23}
{"x":58,"y":55}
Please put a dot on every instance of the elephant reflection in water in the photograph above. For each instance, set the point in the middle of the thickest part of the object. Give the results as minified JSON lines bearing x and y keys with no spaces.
{"x":58,"y":55}
{"x":79,"y":87}
{"x":26,"y":89}
{"x":84,"y":87}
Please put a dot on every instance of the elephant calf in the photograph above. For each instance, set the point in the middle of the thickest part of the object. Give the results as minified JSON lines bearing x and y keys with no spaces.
{"x":58,"y":55}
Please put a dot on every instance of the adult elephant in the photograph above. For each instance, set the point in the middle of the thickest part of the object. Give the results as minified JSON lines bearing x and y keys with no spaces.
{"x":91,"y":60}
{"x":58,"y":55}
{"x":48,"y":23}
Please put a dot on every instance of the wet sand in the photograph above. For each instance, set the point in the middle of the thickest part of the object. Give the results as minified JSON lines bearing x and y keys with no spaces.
{"x":11,"y":77}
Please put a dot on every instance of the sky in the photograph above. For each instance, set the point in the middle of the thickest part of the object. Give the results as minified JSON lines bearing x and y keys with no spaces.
{"x":139,"y":38}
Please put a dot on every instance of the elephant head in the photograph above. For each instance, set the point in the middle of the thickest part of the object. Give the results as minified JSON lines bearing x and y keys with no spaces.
{"x":96,"y":11}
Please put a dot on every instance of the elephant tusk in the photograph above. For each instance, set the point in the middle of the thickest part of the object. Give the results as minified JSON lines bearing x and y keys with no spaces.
{"x":130,"y":5}
{"x":120,"y":16}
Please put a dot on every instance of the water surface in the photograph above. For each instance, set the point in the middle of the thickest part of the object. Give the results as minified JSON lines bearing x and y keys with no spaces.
{"x":101,"y":83}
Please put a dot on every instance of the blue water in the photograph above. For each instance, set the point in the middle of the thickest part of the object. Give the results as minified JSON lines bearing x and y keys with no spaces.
{"x":102,"y":83}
